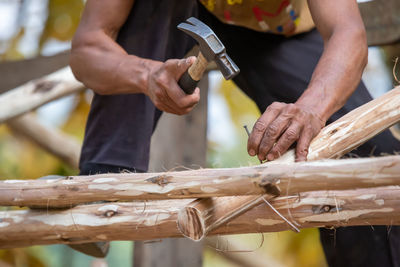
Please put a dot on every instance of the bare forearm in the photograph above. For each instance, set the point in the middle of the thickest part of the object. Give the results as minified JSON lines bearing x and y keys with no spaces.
{"x":97,"y":60}
{"x":102,"y":65}
{"x":333,"y":81}
{"x":337,"y":73}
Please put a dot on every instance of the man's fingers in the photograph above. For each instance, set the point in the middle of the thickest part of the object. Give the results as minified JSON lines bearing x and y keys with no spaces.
{"x":182,"y":66}
{"x":176,"y":68}
{"x":303,"y":143}
{"x":163,"y":103}
{"x":164,"y":89}
{"x":180,"y":100}
{"x":290,"y":136}
{"x":260,"y":126}
{"x":272,"y":134}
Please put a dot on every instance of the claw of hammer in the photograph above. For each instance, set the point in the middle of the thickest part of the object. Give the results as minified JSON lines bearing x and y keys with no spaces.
{"x":211,"y":49}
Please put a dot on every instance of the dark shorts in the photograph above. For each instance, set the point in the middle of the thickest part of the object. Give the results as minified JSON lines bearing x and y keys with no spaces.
{"x":273,"y":68}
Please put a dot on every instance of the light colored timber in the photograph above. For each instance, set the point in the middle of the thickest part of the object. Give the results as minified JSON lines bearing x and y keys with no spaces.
{"x":157,"y":219}
{"x":276,"y":179}
{"x":357,"y":127}
{"x":199,"y":66}
{"x":38,"y":92}
{"x":335,"y":140}
{"x":50,"y":139}
{"x":381,"y":112}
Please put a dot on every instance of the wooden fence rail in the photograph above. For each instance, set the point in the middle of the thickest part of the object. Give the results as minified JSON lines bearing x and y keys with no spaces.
{"x":157,"y":219}
{"x":276,"y":179}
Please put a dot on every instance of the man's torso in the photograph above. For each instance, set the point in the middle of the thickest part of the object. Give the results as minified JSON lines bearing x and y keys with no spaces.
{"x":286,"y":17}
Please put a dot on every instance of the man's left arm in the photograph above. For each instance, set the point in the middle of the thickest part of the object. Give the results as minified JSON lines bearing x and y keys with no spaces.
{"x":335,"y":78}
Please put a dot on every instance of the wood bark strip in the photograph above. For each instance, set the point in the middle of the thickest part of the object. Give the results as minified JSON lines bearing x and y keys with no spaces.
{"x":50,"y":139}
{"x":335,"y":140}
{"x":275,"y":179}
{"x":157,"y":219}
{"x":37,"y":93}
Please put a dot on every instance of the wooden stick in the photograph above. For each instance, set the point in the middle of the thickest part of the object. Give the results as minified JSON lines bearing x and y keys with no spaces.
{"x":333,"y":141}
{"x":199,"y":66}
{"x":37,"y":93}
{"x":357,"y":127}
{"x":157,"y":219}
{"x":50,"y":139}
{"x":273,"y":178}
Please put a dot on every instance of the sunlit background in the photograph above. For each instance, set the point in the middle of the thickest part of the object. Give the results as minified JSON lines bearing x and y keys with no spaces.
{"x":30,"y":28}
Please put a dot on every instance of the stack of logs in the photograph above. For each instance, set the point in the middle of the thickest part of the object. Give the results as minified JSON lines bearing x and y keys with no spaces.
{"x":323,"y":192}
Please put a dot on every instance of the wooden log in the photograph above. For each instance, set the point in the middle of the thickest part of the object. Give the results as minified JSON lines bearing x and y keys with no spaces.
{"x":356,"y":127}
{"x":50,"y":139}
{"x":157,"y":219}
{"x":37,"y":93}
{"x":335,"y":140}
{"x":275,"y":179}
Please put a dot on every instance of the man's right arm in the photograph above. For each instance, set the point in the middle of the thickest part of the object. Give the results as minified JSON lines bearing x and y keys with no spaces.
{"x":105,"y":67}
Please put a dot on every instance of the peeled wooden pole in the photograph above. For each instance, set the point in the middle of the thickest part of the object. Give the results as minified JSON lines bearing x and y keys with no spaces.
{"x":157,"y":219}
{"x":50,"y":139}
{"x":274,"y":179}
{"x":38,"y":92}
{"x":335,"y":140}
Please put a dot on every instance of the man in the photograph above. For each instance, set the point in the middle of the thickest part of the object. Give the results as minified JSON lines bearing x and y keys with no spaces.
{"x":130,"y":54}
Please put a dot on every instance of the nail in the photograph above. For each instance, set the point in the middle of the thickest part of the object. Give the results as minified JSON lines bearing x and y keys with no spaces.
{"x":270,"y":157}
{"x":252,"y":152}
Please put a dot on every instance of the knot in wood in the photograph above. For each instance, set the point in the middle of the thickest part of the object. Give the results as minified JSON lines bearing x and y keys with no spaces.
{"x":271,"y":189}
{"x":43,"y":86}
{"x":109,"y":213}
{"x":333,"y":131}
{"x":324,"y":209}
{"x":161,"y":180}
{"x":64,"y":238}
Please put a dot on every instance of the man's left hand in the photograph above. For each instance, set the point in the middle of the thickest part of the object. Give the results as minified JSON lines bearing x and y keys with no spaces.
{"x":279,"y":127}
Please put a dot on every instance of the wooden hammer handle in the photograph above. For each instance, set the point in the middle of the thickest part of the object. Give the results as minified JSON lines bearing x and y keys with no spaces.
{"x":192,"y":76}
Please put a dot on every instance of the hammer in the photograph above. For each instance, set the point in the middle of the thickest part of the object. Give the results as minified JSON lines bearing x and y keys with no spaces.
{"x":211,"y":49}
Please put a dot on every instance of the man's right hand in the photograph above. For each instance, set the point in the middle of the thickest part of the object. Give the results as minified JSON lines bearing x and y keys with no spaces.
{"x":105,"y":67}
{"x":163,"y":88}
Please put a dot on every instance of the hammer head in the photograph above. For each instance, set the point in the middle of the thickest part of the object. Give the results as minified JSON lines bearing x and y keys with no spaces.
{"x":210,"y":46}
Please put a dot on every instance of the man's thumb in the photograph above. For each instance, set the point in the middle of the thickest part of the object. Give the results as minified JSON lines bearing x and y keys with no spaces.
{"x":184,"y":64}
